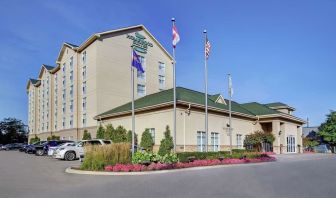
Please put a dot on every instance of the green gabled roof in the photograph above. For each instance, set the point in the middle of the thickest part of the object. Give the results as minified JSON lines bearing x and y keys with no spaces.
{"x":72,"y":45}
{"x":182,"y":94}
{"x":259,"y":109}
{"x":48,"y":67}
{"x":34,"y":81}
{"x":276,"y":104}
{"x":214,"y":97}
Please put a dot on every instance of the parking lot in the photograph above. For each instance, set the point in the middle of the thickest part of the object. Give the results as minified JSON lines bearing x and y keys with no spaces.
{"x":307,"y":175}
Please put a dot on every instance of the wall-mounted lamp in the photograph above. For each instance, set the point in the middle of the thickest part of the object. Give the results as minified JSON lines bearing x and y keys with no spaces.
{"x":280,"y":133}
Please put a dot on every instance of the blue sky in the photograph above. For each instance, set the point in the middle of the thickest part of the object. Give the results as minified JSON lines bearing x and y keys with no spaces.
{"x":275,"y":50}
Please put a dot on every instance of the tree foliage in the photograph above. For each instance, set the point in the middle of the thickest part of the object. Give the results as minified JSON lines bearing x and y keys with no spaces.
{"x":147,"y":141}
{"x":12,"y":130}
{"x":308,"y":142}
{"x":53,"y":137}
{"x":327,"y":130}
{"x":257,"y":138}
{"x":86,"y":135}
{"x":129,"y":137}
{"x":34,"y":139}
{"x":109,"y":132}
{"x":167,"y":143}
{"x":119,"y":135}
{"x":100,"y":132}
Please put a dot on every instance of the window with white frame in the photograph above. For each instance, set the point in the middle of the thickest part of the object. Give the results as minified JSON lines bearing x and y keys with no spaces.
{"x":84,"y":119}
{"x":152,"y":132}
{"x":141,"y":90}
{"x":84,"y":87}
{"x":84,"y":104}
{"x":84,"y":72}
{"x":63,"y":122}
{"x":142,"y":76}
{"x":239,"y":141}
{"x":71,"y":121}
{"x":71,"y":63}
{"x":162,"y":80}
{"x":215,"y":141}
{"x":71,"y":106}
{"x":63,"y":107}
{"x":63,"y":69}
{"x":84,"y":58}
{"x":201,"y":141}
{"x":63,"y":94}
{"x":162,"y":68}
{"x":71,"y":76}
{"x":71,"y":91}
{"x":63,"y":81}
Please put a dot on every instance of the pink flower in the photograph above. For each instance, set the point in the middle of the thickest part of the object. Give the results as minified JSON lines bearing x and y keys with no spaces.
{"x":108,"y":168}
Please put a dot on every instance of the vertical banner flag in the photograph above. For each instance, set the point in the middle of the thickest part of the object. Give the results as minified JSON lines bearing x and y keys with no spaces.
{"x":207,"y":48}
{"x":176,"y":36}
{"x":137,"y":63}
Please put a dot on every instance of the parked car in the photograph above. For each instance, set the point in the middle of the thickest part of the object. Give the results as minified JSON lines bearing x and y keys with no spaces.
{"x":12,"y":146}
{"x":30,"y":148}
{"x":70,"y":153}
{"x":52,"y":149}
{"x":323,"y":148}
{"x":43,"y":148}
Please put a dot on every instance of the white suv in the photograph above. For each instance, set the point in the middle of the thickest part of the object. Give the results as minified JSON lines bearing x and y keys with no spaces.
{"x":70,"y":153}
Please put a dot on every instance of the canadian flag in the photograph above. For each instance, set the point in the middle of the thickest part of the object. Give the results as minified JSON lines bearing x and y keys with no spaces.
{"x":176,"y":36}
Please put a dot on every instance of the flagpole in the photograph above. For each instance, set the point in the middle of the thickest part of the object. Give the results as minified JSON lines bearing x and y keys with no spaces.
{"x":174,"y":84}
{"x":230,"y":98}
{"x":206,"y":90}
{"x":133,"y":113}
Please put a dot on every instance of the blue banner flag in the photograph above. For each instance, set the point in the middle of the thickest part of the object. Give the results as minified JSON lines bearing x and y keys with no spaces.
{"x":136,"y":62}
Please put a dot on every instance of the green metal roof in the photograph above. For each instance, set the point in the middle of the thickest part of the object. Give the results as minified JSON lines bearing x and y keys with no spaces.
{"x":182,"y":94}
{"x":259,"y":109}
{"x":276,"y":104}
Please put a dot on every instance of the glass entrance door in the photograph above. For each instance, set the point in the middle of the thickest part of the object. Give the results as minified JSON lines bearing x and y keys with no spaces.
{"x":291,"y":144}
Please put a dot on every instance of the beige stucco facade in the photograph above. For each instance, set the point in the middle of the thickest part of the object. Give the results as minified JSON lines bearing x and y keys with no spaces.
{"x":92,"y":78}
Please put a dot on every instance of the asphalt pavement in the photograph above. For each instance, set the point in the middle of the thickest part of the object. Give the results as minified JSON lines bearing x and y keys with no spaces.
{"x":291,"y":176}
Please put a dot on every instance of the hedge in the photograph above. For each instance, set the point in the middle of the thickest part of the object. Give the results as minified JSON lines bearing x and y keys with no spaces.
{"x":186,"y":156}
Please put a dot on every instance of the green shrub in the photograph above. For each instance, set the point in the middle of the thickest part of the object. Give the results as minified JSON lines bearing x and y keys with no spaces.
{"x":141,"y":157}
{"x":119,"y":135}
{"x":257,"y":138}
{"x":185,"y":156}
{"x":109,"y":132}
{"x":129,"y":137}
{"x":169,"y":158}
{"x":97,"y":157}
{"x":53,"y":137}
{"x":86,"y":135}
{"x":147,"y":141}
{"x":100,"y":132}
{"x":34,"y":139}
{"x":167,"y":143}
{"x":241,"y":151}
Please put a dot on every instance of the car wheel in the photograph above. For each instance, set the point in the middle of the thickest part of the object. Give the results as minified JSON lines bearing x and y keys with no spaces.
{"x":70,"y":155}
{"x":39,"y":152}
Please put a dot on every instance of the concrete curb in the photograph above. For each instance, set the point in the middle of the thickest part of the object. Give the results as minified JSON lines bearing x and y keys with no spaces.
{"x":82,"y":172}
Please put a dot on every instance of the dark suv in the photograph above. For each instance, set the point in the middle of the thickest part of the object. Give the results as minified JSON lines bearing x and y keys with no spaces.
{"x":43,"y":148}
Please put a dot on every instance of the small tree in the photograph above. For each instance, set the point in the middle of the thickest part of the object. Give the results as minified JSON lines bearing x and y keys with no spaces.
{"x":257,"y":138}
{"x":167,"y":143}
{"x":129,"y":137}
{"x":53,"y":137}
{"x":327,"y":130}
{"x":86,"y":135}
{"x":119,"y":135}
{"x":108,"y":135}
{"x":100,"y":132}
{"x":147,"y":141}
{"x":34,"y":139}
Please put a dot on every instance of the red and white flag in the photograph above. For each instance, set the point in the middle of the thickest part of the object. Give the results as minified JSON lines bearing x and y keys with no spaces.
{"x":176,"y":36}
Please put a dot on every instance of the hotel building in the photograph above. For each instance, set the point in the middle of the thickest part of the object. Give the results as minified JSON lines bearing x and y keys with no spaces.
{"x":91,"y":85}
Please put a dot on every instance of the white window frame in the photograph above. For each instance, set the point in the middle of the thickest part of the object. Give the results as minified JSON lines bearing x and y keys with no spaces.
{"x":201,"y":145}
{"x":239,"y":141}
{"x":215,"y":141}
{"x":144,"y":90}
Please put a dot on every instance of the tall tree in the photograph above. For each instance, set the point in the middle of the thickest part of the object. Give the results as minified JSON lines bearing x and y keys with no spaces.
{"x":119,"y":135}
{"x":100,"y":132}
{"x":13,"y":130}
{"x":86,"y":135}
{"x":129,"y":137}
{"x":167,"y":143}
{"x":327,"y":129}
{"x":147,"y":140}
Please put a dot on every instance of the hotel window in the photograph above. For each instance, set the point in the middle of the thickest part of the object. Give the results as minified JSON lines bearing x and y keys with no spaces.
{"x":71,"y":63}
{"x":162,"y":68}
{"x":71,"y":106}
{"x":71,"y":121}
{"x":141,"y":89}
{"x":63,"y":68}
{"x":140,"y":75}
{"x":84,"y":72}
{"x":201,"y":141}
{"x":63,"y":107}
{"x":215,"y":141}
{"x":71,"y":91}
{"x":63,"y":81}
{"x":84,"y":87}
{"x":84,"y":119}
{"x":84,"y":104}
{"x":239,"y":141}
{"x":63,"y":122}
{"x":71,"y":76}
{"x":152,"y":132}
{"x":162,"y":80}
{"x":63,"y":94}
{"x":84,"y":57}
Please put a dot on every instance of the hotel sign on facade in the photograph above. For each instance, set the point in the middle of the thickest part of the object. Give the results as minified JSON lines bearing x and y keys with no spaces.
{"x":139,"y":44}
